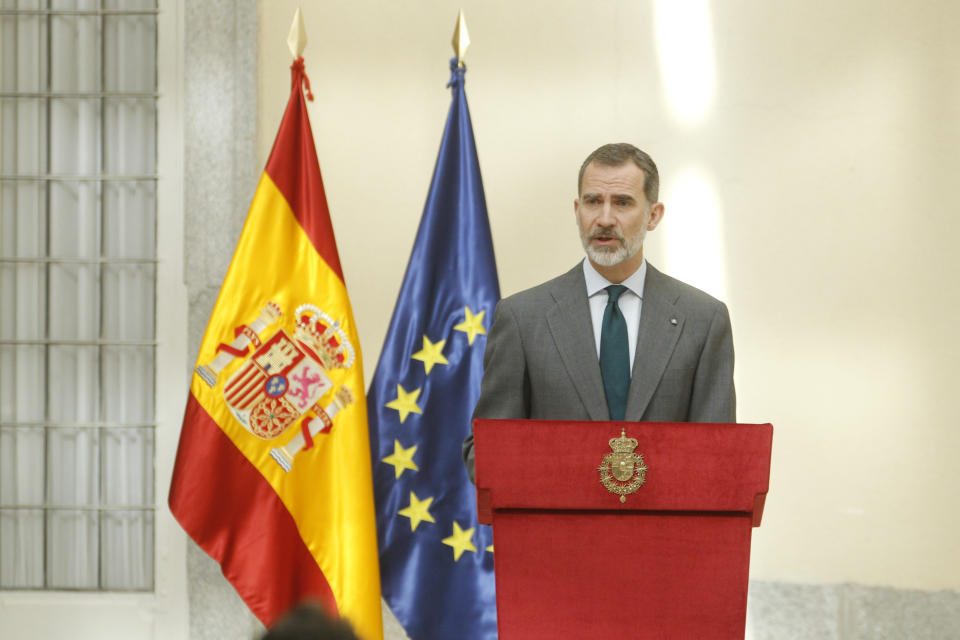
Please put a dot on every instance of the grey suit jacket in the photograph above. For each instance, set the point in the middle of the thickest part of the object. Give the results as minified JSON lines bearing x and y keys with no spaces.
{"x":541,"y":358}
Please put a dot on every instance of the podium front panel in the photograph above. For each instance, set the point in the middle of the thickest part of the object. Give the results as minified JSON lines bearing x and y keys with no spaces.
{"x":574,"y":559}
{"x":578,"y":575}
{"x":541,"y":464}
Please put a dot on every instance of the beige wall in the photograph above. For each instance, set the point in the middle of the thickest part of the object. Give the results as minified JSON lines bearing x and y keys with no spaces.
{"x":806,"y":148}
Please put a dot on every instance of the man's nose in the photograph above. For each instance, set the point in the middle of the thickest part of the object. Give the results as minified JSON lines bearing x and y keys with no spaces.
{"x":606,"y":217}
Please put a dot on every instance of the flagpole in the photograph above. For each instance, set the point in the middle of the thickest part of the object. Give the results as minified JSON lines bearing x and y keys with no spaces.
{"x":461,"y":39}
{"x":297,"y":38}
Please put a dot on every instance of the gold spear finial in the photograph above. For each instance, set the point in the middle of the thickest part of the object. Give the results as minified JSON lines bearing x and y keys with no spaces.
{"x":297,"y":38}
{"x":461,"y":39}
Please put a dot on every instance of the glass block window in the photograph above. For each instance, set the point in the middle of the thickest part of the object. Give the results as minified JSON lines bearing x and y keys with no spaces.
{"x":78,"y":94}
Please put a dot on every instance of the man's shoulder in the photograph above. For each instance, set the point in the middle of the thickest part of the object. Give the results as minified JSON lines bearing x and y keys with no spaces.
{"x":680,"y":293}
{"x":547,"y":293}
{"x":657,"y":285}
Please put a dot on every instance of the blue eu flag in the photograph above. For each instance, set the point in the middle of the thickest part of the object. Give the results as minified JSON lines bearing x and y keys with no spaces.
{"x":436,"y":562}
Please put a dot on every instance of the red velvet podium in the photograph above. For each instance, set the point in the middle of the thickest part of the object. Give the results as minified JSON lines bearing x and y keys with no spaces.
{"x":572,"y":561}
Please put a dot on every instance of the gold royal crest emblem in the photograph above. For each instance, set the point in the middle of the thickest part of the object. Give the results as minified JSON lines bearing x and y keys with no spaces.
{"x":623,"y":471}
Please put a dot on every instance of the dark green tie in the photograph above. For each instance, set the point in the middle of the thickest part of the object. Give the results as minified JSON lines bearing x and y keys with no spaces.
{"x":615,"y":354}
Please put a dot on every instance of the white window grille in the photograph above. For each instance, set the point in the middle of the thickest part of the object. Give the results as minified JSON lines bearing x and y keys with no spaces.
{"x":78,"y":94}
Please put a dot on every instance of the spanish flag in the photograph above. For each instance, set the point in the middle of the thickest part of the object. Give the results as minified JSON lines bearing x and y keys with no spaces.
{"x":272,"y":476}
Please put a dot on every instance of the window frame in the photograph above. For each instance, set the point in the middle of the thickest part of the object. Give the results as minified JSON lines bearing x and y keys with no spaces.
{"x":162,"y":612}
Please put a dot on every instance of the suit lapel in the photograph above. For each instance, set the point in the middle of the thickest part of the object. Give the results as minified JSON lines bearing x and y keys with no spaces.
{"x":660,"y":326}
{"x":572,"y":331}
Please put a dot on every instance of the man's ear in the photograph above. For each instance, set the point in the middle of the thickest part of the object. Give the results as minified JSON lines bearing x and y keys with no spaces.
{"x":656,"y":215}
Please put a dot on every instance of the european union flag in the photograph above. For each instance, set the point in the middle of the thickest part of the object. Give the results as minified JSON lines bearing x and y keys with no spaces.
{"x":436,"y":562}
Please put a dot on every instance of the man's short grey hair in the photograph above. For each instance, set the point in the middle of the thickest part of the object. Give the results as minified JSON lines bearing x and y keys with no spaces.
{"x":619,"y":154}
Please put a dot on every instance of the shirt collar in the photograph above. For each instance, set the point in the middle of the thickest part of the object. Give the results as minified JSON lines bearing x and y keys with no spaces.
{"x":596,"y":282}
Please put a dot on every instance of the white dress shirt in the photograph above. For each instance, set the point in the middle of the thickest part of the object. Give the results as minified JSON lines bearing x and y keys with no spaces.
{"x":630,"y":302}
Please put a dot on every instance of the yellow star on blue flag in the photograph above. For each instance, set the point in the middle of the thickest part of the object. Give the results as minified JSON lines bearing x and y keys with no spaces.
{"x":431,"y":354}
{"x":402,"y":459}
{"x":405,"y":403}
{"x":418,"y":511}
{"x":472,"y":324}
{"x":460,"y":540}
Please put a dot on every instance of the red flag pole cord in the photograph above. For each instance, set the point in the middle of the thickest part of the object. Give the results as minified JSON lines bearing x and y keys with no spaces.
{"x":300,"y":75}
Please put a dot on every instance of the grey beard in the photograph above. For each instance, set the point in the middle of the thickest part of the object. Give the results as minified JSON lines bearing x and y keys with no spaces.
{"x":612,"y":257}
{"x":606,"y":258}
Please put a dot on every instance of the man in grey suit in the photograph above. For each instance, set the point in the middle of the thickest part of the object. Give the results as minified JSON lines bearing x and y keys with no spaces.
{"x":613,"y":338}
